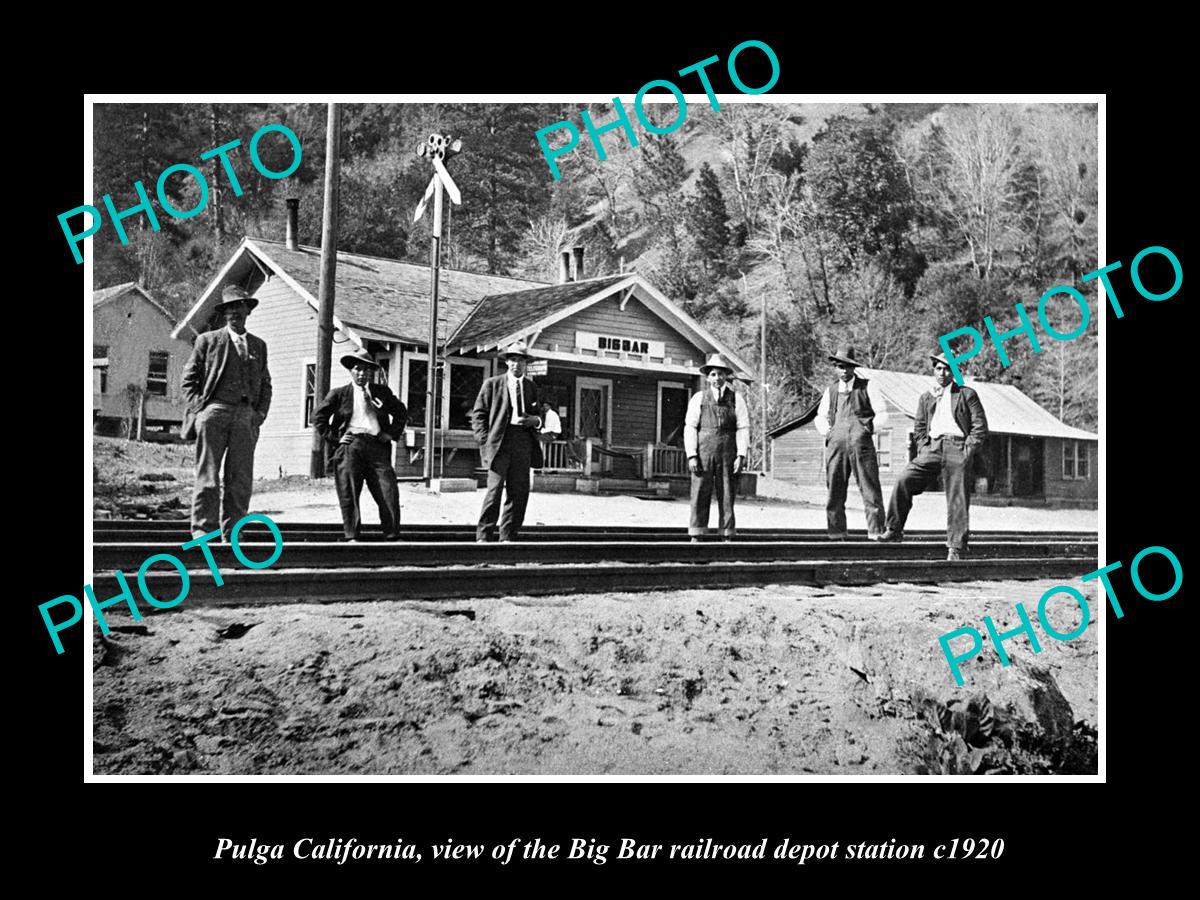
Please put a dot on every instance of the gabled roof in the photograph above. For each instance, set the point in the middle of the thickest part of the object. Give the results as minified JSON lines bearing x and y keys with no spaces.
{"x":501,"y":318}
{"x":375,"y":297}
{"x":104,"y":295}
{"x":1008,"y":410}
{"x":499,"y":315}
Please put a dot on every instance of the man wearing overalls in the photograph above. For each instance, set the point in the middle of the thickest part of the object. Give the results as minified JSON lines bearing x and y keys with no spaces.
{"x":716,"y":437}
{"x":851,"y":411}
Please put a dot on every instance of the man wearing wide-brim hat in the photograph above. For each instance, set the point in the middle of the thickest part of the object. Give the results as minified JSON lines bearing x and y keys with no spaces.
{"x":716,"y":438}
{"x":949,"y":431}
{"x":363,"y":418}
{"x":850,"y":412}
{"x":505,"y":423}
{"x":228,"y":391}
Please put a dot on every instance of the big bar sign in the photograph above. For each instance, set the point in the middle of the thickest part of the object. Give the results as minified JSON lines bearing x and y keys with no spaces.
{"x":587,"y":340}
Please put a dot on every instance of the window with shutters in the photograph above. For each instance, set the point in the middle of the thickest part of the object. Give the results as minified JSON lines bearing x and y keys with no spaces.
{"x":156,"y":374}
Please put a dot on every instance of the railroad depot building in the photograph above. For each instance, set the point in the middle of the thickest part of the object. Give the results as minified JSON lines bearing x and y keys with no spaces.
{"x":137,"y":362}
{"x":616,"y":359}
{"x":1029,"y":457}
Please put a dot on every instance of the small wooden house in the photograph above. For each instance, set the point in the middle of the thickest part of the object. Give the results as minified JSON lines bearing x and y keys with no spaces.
{"x":1029,"y":456}
{"x":136,"y":364}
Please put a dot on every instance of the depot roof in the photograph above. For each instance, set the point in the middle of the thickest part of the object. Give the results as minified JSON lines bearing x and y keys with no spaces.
{"x":1008,"y":410}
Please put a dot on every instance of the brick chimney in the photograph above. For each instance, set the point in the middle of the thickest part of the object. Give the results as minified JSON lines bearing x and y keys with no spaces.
{"x":293,"y":227}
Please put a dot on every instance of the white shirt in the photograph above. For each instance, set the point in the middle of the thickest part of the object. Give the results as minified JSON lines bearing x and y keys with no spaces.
{"x":364,"y":420}
{"x":844,"y":387}
{"x":943,"y":417}
{"x":239,"y":342}
{"x":552,"y":424}
{"x":691,"y":421}
{"x":514,"y":385}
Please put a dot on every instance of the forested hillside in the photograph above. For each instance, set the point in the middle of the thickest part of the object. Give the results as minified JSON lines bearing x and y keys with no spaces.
{"x":882,"y":226}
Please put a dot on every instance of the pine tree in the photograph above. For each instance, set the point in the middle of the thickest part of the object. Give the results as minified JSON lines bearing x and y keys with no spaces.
{"x":709,"y":221}
{"x":502,"y":177}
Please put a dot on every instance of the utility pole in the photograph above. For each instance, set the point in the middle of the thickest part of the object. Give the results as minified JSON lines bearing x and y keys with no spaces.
{"x":437,"y":147}
{"x":325,"y":294}
{"x":763,"y":381}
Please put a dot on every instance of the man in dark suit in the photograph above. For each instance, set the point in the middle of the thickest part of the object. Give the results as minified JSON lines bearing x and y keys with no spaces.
{"x":363,"y":419}
{"x":228,"y":392}
{"x":506,"y":428}
{"x":949,"y":430}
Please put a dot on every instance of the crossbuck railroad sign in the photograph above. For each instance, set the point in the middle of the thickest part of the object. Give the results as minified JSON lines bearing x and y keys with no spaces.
{"x":437,"y":148}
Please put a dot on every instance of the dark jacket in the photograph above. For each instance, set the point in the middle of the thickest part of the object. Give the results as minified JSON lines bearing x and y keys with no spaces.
{"x":206,"y":365}
{"x":493,"y":412}
{"x":333,"y":416}
{"x":968,"y":415}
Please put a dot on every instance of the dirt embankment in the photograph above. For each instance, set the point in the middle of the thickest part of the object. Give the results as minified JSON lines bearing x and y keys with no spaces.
{"x":132,"y":479}
{"x":775,"y":680}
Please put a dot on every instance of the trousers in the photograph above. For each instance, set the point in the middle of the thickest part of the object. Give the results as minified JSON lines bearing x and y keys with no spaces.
{"x":507,"y":476}
{"x":847,"y":453}
{"x":225,"y":439}
{"x":366,"y":458}
{"x":717,"y":452}
{"x":942,"y":455}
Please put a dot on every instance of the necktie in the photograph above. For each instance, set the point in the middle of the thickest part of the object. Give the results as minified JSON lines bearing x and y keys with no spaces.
{"x":240,"y":343}
{"x":520,"y":399}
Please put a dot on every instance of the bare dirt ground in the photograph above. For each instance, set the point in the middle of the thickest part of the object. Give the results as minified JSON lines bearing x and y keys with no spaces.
{"x":777,"y":680}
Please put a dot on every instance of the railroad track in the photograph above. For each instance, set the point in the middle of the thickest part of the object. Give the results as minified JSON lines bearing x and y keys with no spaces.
{"x":321,"y":555}
{"x":177,"y":532}
{"x":443,"y":561}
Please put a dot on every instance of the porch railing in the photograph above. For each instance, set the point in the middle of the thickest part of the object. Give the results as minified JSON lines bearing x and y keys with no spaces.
{"x":651,"y":460}
{"x":558,"y":457}
{"x":661,"y":461}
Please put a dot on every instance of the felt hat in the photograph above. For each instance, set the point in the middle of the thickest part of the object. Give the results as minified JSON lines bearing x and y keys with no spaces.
{"x":362,"y":357}
{"x":941,"y":358}
{"x":845,"y":354}
{"x":518,"y":349}
{"x":235,"y":294}
{"x":716,"y":361}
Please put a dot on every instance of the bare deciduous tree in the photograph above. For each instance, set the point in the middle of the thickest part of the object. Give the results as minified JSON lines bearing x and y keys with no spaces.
{"x":752,"y":135}
{"x":968,"y":180}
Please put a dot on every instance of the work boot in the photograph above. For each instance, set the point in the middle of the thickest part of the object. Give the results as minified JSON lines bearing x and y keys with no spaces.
{"x":892,"y":537}
{"x":953,"y":555}
{"x":838,"y":537}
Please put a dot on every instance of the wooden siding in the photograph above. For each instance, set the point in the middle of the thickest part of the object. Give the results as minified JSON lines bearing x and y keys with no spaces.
{"x":799,"y":455}
{"x":1061,"y":488}
{"x":132,"y":328}
{"x":606,"y":318}
{"x":289,"y":326}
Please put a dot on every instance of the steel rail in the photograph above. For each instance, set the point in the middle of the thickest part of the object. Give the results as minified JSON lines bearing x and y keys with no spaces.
{"x":244,"y":587}
{"x":128,"y":557}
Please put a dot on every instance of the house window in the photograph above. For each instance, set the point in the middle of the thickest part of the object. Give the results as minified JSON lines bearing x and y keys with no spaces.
{"x":100,"y":351}
{"x":1075,"y":461}
{"x":466,"y":378}
{"x":156,"y":375}
{"x":883,"y":449}
{"x":416,"y":372}
{"x":310,"y":391}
